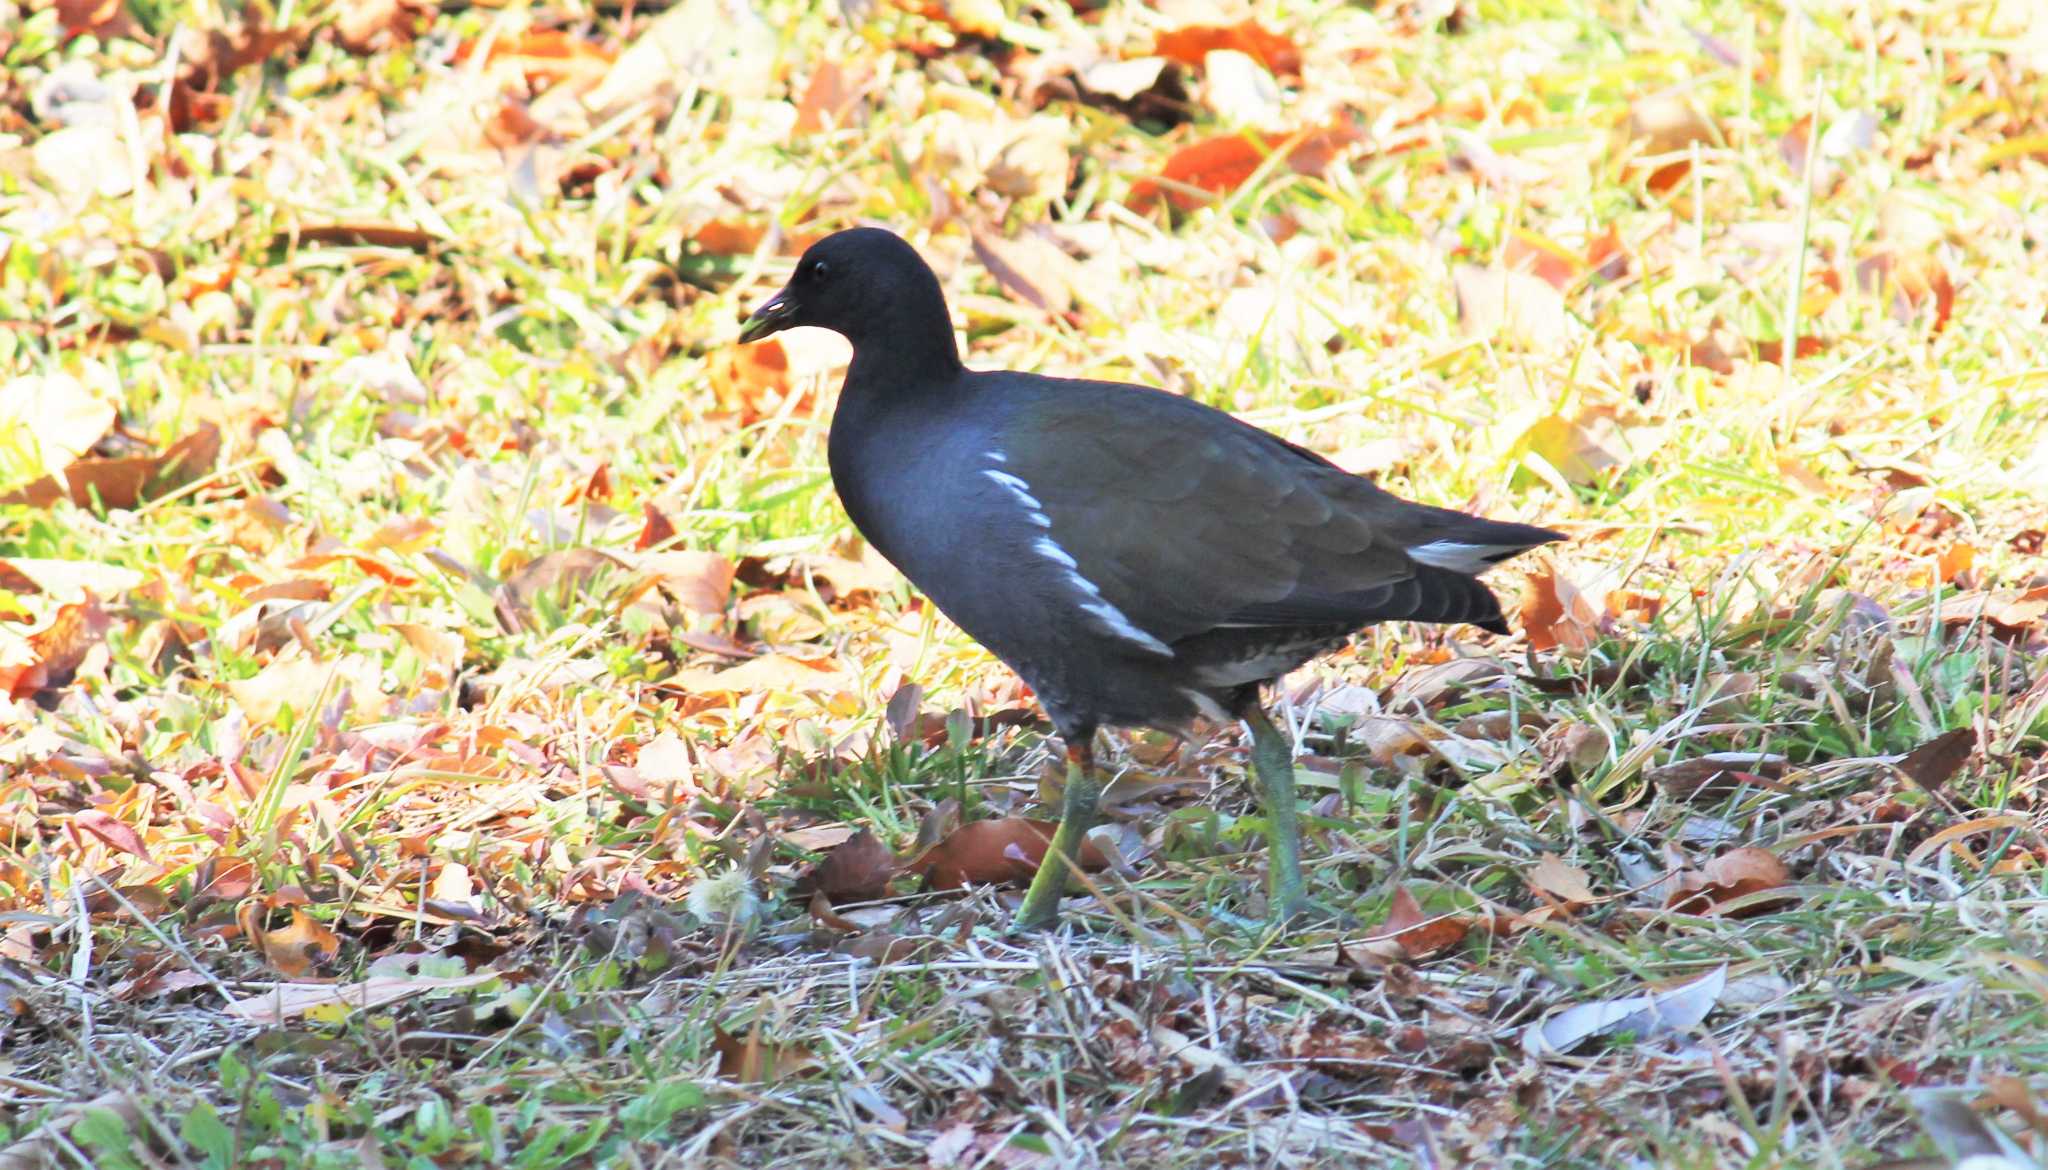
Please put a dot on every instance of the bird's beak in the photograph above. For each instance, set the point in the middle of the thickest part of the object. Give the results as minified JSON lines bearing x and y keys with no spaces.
{"x":772,"y":317}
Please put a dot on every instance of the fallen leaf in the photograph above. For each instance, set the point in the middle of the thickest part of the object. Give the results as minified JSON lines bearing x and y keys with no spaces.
{"x":1913,"y":282}
{"x":997,"y":852}
{"x":369,"y":26}
{"x":1420,"y":936}
{"x":104,"y":19}
{"x":286,"y":1001}
{"x":118,"y":835}
{"x":1577,"y":450}
{"x":698,"y":581}
{"x":1191,"y":45}
{"x":707,"y":44}
{"x":57,"y":651}
{"x":753,"y":1060}
{"x":294,"y":950}
{"x":856,"y":870}
{"x":1663,"y":125}
{"x":830,"y":97}
{"x":1715,"y":775}
{"x":545,"y":57}
{"x":56,"y":417}
{"x":753,"y":382}
{"x":1219,"y":166}
{"x":655,"y":528}
{"x":1555,"y":615}
{"x":777,"y":673}
{"x":127,"y":481}
{"x":1511,"y":307}
{"x":1031,"y":267}
{"x":1559,"y":879}
{"x":1679,"y":1009}
{"x":356,"y":234}
{"x":1932,"y":763}
{"x":560,"y":575}
{"x":1735,"y":874}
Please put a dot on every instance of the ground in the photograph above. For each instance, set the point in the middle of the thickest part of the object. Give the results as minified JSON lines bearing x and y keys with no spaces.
{"x":449,"y":720}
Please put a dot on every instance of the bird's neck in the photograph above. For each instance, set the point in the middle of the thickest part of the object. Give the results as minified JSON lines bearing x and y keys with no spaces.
{"x":899,"y":362}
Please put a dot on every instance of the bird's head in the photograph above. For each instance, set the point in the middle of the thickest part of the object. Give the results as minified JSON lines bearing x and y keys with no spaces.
{"x":863,"y":283}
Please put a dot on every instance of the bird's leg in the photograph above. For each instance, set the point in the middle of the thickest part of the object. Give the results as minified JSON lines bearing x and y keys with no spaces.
{"x":1273,"y":763}
{"x":1077,"y":815}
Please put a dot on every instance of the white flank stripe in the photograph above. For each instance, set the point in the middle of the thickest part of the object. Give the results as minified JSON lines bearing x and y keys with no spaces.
{"x":1017,"y":487}
{"x":1048,"y":548}
{"x":1112,"y":619}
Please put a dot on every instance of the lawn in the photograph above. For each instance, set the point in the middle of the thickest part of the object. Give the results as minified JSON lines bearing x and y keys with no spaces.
{"x":448,"y":719}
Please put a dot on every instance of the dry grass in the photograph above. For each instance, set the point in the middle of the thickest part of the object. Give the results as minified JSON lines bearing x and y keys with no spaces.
{"x":390,"y":715}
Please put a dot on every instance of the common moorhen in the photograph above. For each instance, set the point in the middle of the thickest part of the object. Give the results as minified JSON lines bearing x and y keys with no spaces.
{"x":1137,"y":557}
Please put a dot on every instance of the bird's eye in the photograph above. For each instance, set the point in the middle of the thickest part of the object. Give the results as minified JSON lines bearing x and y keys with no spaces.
{"x":820,"y":270}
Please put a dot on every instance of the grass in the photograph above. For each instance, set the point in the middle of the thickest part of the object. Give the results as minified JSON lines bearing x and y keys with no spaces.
{"x":368,"y":713}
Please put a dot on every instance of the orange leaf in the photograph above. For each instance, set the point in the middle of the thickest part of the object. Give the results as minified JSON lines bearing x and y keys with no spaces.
{"x":105,"y":19}
{"x":1190,"y":45}
{"x":294,"y":950}
{"x":1002,"y":851}
{"x":60,"y":649}
{"x":1555,"y":615}
{"x":1419,"y":935}
{"x":655,"y":528}
{"x":754,"y":382}
{"x":753,"y":1059}
{"x":1221,"y":165}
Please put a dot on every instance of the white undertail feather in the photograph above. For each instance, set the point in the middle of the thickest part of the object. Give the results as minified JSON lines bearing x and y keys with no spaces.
{"x":1459,"y":557}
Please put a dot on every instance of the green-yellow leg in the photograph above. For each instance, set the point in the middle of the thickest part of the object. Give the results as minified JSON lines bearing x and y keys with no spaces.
{"x":1077,"y":815}
{"x":1273,"y":763}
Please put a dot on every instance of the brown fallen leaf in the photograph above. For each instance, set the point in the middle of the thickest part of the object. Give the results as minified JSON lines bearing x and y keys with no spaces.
{"x":856,"y":870}
{"x":655,"y":528}
{"x":754,"y":382}
{"x":546,"y":57}
{"x":57,"y":651}
{"x":1932,"y":763}
{"x":1030,"y":267}
{"x":997,"y":852}
{"x":1419,"y":935}
{"x":1555,"y":615}
{"x":1912,"y":281}
{"x":104,"y":19}
{"x":118,"y":835}
{"x":560,"y":574}
{"x":1555,"y":878}
{"x":361,"y":234}
{"x":754,"y":1060}
{"x":698,"y":581}
{"x":368,"y":26}
{"x":1735,"y":874}
{"x":830,"y":97}
{"x":1715,"y":775}
{"x":126,"y":481}
{"x":294,"y":951}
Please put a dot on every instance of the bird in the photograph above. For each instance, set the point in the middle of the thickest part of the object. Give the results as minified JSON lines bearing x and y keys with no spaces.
{"x":1137,"y":557}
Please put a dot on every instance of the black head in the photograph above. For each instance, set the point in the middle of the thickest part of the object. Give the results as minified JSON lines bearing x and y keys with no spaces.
{"x":867,"y":285}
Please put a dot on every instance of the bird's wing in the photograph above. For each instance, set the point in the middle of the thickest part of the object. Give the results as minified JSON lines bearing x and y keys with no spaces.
{"x":1176,"y":525}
